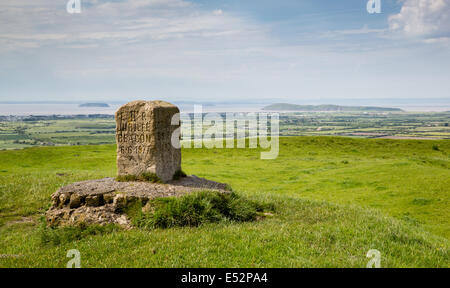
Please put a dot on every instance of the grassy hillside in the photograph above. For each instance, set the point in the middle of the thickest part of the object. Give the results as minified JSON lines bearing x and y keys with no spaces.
{"x":336,"y":198}
{"x":327,"y":107}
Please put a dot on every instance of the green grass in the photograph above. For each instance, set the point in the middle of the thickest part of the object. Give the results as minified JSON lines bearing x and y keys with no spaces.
{"x":56,"y":236}
{"x":144,"y":177}
{"x":336,"y":198}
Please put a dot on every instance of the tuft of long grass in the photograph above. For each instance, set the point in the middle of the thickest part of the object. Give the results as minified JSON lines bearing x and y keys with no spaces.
{"x":195,"y":209}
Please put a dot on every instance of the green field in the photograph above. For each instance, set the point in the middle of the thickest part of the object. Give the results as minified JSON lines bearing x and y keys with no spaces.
{"x":335,"y":199}
{"x":20,"y":132}
{"x":56,"y":132}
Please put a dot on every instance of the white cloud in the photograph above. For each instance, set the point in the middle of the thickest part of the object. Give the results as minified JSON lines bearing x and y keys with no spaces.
{"x":364,"y":30}
{"x":44,"y":22}
{"x":423,"y":18}
{"x":130,"y":38}
{"x":218,"y":12}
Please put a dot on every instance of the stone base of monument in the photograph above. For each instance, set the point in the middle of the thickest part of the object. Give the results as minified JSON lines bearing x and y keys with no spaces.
{"x":104,"y":201}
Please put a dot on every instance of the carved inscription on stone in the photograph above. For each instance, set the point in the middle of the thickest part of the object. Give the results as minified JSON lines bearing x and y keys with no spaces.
{"x":143,"y":134}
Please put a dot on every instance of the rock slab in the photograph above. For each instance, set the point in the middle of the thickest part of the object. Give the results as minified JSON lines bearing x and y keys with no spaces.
{"x":103,"y":201}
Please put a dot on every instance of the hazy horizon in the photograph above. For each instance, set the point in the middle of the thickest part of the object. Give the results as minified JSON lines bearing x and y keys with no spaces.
{"x":45,"y":109}
{"x":334,"y":101}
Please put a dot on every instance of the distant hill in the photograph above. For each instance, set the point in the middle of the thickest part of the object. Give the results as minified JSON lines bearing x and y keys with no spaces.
{"x":94,"y":105}
{"x":326,"y":107}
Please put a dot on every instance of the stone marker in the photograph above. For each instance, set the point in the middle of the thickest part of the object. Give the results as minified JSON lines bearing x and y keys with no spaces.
{"x":144,"y":139}
{"x":144,"y":135}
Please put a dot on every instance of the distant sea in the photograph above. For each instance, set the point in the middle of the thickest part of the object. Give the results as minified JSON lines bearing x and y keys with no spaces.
{"x":74,"y":109}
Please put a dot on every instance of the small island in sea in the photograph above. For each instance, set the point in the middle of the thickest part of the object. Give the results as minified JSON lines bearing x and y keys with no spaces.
{"x":327,"y":107}
{"x":94,"y":105}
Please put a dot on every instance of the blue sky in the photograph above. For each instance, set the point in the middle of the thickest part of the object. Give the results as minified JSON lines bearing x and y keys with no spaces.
{"x":235,"y":50}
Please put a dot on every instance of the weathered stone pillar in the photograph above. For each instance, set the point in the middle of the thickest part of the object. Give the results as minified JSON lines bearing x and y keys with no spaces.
{"x":144,"y":139}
